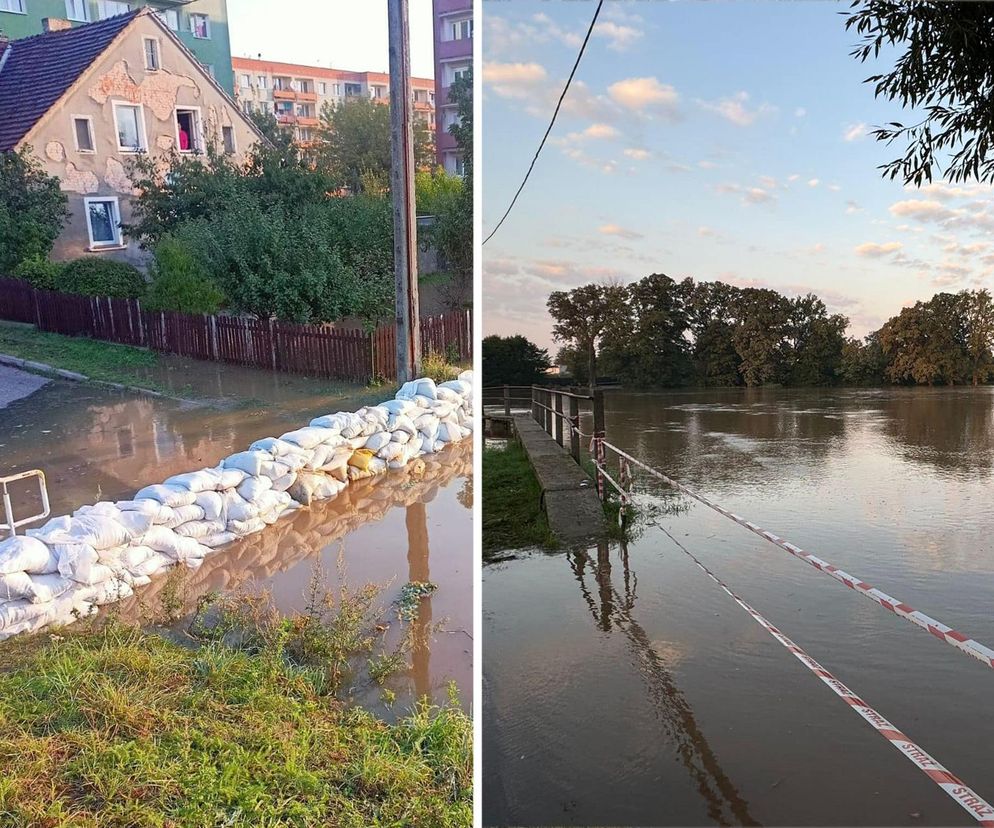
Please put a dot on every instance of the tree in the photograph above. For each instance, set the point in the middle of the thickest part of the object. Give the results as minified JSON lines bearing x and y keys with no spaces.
{"x":711,"y":314}
{"x":353,"y":142}
{"x":863,"y":362}
{"x":925,"y":343}
{"x":581,"y":316}
{"x":943,"y":70}
{"x":760,"y":337}
{"x":513,"y":360}
{"x":461,"y":94}
{"x":575,"y":364}
{"x":979,"y":312}
{"x":816,"y":342}
{"x":33,"y":210}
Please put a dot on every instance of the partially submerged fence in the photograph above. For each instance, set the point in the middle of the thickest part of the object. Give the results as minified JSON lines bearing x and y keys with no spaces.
{"x":315,"y":350}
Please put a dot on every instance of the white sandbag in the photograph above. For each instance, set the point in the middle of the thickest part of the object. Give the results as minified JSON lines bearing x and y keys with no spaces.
{"x":377,"y":441}
{"x":181,"y":515}
{"x":401,"y":437}
{"x":177,"y":547}
{"x":420,"y":387}
{"x":309,"y":437}
{"x":281,"y":484}
{"x":81,"y":563}
{"x":296,"y":462}
{"x":145,"y":506}
{"x":156,"y":562}
{"x":200,"y":528}
{"x":212,"y":503}
{"x":193,"y":563}
{"x":167,"y":495}
{"x":449,"y":396}
{"x":205,"y":480}
{"x":134,"y":556}
{"x":241,"y":528}
{"x":15,"y":613}
{"x":230,"y":478}
{"x":26,"y":554}
{"x":237,"y":508}
{"x":38,"y":589}
{"x":467,"y":377}
{"x":254,"y":486}
{"x":390,"y":451}
{"x":273,"y":445}
{"x":249,"y":462}
{"x":427,"y":445}
{"x":328,"y":488}
{"x":399,"y":406}
{"x":401,"y":422}
{"x":461,"y":387}
{"x":106,"y":592}
{"x":222,"y":538}
{"x":273,"y":469}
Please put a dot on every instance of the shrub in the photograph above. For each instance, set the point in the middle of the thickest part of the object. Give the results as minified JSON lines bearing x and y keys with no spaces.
{"x":180,"y":282}
{"x":33,"y":209}
{"x":434,"y":365}
{"x":92,"y":276}
{"x":40,"y":272}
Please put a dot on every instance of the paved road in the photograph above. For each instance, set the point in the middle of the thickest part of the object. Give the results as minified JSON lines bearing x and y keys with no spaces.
{"x":16,"y":385}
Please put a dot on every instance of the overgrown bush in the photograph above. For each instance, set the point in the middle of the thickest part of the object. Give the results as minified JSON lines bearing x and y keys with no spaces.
{"x":180,"y":282}
{"x":40,"y":272}
{"x":33,"y":209}
{"x":93,"y":276}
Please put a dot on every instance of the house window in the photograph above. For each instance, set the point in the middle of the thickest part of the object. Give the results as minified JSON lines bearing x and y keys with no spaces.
{"x":152,"y":54}
{"x":103,"y":222}
{"x":459,"y":165}
{"x":83,"y":131}
{"x":130,"y":122}
{"x":246,"y":81}
{"x":323,"y":88}
{"x":248,"y":107}
{"x":262,"y":81}
{"x":16,"y":6}
{"x":189,"y":137}
{"x":336,"y":89}
{"x":200,"y":25}
{"x":462,"y":29}
{"x":462,"y":72}
{"x":78,"y":10}
{"x":303,"y":134}
{"x":170,"y":17}
{"x":110,"y":8}
{"x":228,"y":137}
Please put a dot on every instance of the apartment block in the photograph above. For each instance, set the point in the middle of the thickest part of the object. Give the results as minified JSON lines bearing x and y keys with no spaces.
{"x":295,"y":93}
{"x":201,"y":25}
{"x":453,"y":59}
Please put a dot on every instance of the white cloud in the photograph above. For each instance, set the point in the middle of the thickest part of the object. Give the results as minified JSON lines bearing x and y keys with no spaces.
{"x":619,"y":36}
{"x":637,"y":153}
{"x":514,"y":80}
{"x":853,"y":207}
{"x":619,"y":231}
{"x":641,"y":94}
{"x":706,"y":232}
{"x":800,"y":112}
{"x":923,"y":210}
{"x":813,"y":182}
{"x":706,"y":165}
{"x":736,"y":109}
{"x":854,"y":132}
{"x":875,"y":251}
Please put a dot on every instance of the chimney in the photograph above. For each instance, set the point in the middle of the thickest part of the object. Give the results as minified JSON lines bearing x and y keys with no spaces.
{"x":55,"y":24}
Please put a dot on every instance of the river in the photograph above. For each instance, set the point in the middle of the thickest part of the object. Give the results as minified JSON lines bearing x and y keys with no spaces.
{"x":622,"y":687}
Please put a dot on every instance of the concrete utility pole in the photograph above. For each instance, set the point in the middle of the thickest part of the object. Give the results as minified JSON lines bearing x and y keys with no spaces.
{"x":405,"y":241}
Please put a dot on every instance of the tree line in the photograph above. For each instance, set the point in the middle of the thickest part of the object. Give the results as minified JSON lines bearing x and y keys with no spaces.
{"x":658,"y":332}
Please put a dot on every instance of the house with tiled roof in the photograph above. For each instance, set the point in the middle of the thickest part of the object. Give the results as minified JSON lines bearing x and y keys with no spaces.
{"x":89,"y":99}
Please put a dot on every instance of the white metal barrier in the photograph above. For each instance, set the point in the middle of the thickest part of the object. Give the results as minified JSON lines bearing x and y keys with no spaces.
{"x":11,"y":524}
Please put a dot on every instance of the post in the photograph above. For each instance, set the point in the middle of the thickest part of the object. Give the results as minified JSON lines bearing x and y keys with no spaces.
{"x":405,"y":242}
{"x":559,"y":418}
{"x":507,"y":401}
{"x":548,"y":414}
{"x":535,"y":408}
{"x":598,"y":438}
{"x":574,"y":433}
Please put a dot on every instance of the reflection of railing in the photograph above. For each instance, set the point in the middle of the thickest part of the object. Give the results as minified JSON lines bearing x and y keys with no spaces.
{"x":611,"y":608}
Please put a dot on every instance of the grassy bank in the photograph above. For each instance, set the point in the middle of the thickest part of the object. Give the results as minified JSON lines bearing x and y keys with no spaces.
{"x":512,"y":502}
{"x":116,"y":726}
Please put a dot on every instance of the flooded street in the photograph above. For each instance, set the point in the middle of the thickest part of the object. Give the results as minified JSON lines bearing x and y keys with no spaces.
{"x":621,"y":686}
{"x":97,"y":444}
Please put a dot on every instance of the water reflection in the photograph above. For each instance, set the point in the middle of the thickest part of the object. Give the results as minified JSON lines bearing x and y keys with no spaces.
{"x":724,"y":804}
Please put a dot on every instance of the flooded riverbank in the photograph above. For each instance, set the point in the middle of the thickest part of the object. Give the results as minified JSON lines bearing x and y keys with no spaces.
{"x":621,"y":686}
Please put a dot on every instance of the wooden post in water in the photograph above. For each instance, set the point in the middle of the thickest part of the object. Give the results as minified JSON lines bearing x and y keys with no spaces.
{"x":574,"y":436}
{"x":559,"y":418}
{"x":507,"y":401}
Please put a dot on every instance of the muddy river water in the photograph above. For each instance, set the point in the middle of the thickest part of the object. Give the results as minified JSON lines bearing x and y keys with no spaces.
{"x":622,"y":687}
{"x":99,"y":444}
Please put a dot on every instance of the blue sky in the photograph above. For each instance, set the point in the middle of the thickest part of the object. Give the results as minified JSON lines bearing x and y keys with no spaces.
{"x":343,"y":34}
{"x":714,"y":140}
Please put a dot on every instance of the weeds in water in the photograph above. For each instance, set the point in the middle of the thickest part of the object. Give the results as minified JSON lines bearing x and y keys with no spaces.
{"x":410,"y":598}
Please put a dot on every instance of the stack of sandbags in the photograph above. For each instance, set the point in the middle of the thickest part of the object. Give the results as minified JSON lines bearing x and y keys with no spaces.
{"x":102,"y":552}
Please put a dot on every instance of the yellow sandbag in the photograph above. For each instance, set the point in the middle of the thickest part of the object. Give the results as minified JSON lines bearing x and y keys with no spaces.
{"x":361,"y":459}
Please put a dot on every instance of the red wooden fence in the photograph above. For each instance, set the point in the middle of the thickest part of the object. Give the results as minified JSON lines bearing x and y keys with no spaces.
{"x":315,"y":350}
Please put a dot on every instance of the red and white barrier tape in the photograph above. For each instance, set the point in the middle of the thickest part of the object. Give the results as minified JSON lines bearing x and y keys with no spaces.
{"x":943,"y":632}
{"x":973,"y":803}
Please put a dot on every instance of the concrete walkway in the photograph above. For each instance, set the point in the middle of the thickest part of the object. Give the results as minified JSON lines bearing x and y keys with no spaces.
{"x":569,"y":495}
{"x":16,"y":385}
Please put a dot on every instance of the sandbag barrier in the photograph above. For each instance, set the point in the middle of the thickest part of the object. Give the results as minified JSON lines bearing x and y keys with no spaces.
{"x":975,"y":805}
{"x":962,"y":642}
{"x":65,"y":569}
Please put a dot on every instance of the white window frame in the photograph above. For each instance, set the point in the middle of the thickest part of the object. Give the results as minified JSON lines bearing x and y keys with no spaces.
{"x":157,"y":44}
{"x":102,"y":8}
{"x":170,"y":17}
{"x":70,"y":15}
{"x":456,"y":29}
{"x":245,"y":81}
{"x":198,"y":144}
{"x":263,"y":82}
{"x":19,"y":3}
{"x":89,"y":128}
{"x":115,"y":219}
{"x":143,"y":132}
{"x":322,"y":88}
{"x":234,"y":139}
{"x":193,"y":26}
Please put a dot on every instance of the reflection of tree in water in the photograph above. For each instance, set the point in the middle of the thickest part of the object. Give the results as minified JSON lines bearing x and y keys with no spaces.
{"x":465,"y":495}
{"x":950,"y":429}
{"x":724,"y":804}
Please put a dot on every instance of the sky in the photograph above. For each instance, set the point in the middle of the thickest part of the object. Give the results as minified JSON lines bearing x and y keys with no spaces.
{"x":714,"y":140}
{"x":343,"y":34}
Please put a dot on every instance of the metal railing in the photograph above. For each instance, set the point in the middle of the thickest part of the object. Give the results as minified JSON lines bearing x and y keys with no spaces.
{"x":12,"y":524}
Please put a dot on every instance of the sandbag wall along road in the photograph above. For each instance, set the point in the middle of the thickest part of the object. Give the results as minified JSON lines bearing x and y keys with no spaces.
{"x":65,"y":569}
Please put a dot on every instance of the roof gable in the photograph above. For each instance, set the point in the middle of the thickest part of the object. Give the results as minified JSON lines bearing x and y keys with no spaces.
{"x":37,"y":71}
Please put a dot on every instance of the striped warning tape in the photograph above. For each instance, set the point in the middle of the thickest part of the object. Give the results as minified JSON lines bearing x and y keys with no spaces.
{"x":943,"y":632}
{"x":973,"y":803}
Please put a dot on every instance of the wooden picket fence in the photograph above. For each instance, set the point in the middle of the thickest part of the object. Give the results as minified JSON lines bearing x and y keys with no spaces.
{"x":314,"y":350}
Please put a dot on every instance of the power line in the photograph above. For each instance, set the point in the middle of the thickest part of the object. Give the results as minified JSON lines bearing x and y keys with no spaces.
{"x":569,"y":80}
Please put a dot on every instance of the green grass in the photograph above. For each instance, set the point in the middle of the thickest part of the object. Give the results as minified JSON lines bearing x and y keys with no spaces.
{"x":120,"y":727}
{"x":512,"y":509}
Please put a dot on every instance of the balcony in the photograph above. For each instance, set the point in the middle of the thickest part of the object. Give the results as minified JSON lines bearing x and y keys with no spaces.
{"x":307,"y":96}
{"x":307,"y":121}
{"x":451,"y":49}
{"x":285,"y":118}
{"x":284,"y":95}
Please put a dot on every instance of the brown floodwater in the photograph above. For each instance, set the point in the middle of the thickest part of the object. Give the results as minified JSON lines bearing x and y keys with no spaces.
{"x":96,"y":443}
{"x":622,"y":687}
